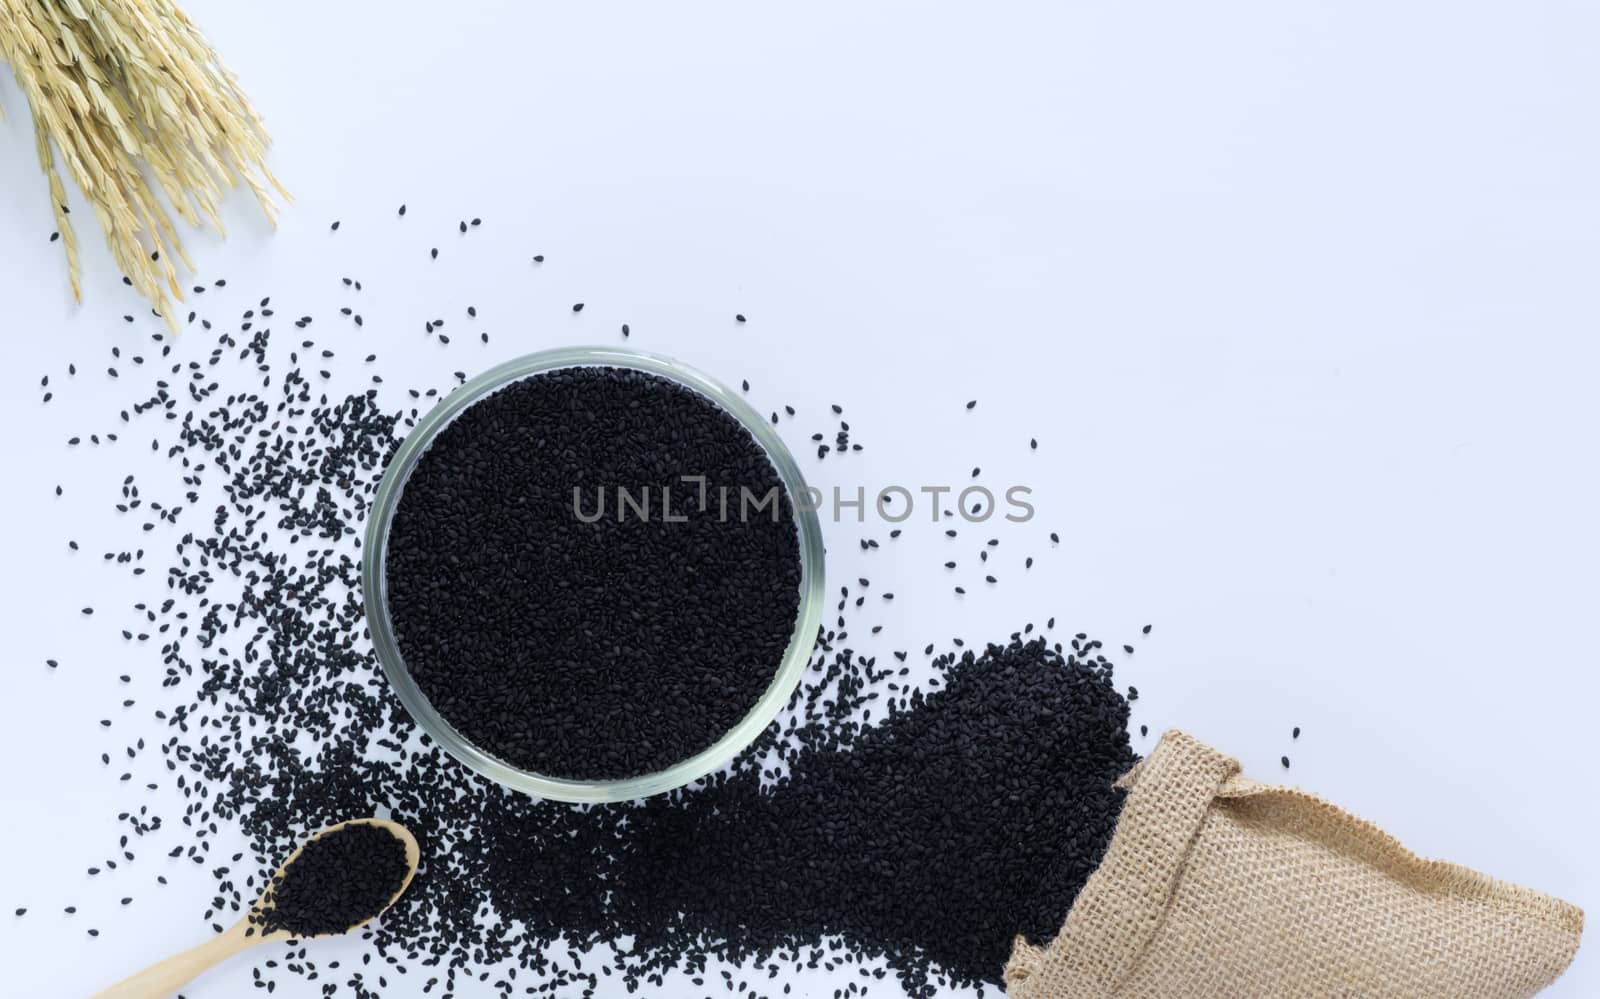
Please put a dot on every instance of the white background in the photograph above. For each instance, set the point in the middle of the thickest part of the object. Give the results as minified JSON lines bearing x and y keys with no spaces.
{"x":1298,"y":299}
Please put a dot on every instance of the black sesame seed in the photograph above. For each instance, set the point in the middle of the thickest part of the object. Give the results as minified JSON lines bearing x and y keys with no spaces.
{"x":339,"y":879}
{"x":707,"y":682}
{"x":859,"y":835}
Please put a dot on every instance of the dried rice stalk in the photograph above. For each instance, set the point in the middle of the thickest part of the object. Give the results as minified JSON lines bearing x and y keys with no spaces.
{"x":147,"y":120}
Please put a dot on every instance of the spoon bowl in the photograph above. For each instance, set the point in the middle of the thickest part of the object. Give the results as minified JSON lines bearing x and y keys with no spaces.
{"x":395,"y":829}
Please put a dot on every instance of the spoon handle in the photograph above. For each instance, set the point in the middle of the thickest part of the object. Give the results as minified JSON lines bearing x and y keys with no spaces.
{"x":160,"y":981}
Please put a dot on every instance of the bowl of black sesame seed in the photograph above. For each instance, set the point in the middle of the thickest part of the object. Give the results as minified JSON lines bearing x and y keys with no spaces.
{"x":587,"y":576}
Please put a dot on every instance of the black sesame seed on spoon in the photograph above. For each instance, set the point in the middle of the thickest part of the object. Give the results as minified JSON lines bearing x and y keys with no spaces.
{"x":337,"y":880}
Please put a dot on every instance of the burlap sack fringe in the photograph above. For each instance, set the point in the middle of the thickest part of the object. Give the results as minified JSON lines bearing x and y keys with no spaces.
{"x":1218,"y":886}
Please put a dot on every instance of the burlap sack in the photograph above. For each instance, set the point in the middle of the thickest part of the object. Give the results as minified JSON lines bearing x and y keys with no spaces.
{"x":1217,"y":886}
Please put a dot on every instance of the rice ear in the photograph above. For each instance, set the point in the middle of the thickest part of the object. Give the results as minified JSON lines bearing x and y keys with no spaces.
{"x":129,"y":97}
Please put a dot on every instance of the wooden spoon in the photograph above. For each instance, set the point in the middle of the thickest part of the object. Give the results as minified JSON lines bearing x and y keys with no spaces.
{"x":162,"y":980}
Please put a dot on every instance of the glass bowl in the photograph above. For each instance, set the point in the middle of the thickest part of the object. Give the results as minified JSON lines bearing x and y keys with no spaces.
{"x":375,"y":593}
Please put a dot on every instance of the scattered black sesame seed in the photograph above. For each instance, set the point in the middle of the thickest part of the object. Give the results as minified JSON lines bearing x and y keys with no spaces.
{"x":537,"y":882}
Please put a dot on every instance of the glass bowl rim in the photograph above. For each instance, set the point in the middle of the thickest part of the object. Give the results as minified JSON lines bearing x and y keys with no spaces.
{"x":374,"y":584}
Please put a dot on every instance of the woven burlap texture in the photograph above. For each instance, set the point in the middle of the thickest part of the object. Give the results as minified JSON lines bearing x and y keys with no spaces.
{"x":1217,"y":886}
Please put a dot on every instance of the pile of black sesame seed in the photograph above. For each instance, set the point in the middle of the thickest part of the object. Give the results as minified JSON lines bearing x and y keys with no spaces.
{"x":931,"y":838}
{"x":592,"y":650}
{"x":884,"y":821}
{"x":339,"y":879}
